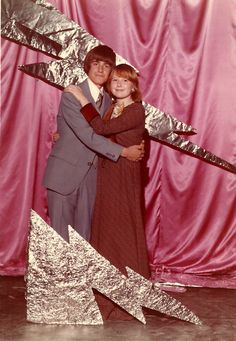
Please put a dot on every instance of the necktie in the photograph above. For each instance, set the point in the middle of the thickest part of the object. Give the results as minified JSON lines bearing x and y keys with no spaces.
{"x":99,"y":100}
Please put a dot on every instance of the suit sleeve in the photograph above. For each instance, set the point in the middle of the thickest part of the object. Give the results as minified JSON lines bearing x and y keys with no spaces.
{"x":70,"y":109}
{"x":131,"y":118}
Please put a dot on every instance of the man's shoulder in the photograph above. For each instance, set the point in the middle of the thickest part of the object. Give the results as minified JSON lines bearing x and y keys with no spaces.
{"x":83,"y":83}
{"x":68,"y":97}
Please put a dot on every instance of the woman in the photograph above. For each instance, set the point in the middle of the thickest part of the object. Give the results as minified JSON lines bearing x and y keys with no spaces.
{"x":117,"y":228}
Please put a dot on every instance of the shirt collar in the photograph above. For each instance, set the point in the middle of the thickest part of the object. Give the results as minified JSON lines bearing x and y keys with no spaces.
{"x":94,"y":90}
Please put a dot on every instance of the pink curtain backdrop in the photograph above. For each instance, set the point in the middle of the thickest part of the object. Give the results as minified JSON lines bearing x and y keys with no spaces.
{"x":185,"y":51}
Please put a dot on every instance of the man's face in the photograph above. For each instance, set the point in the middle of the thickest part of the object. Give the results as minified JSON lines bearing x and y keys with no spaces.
{"x":99,"y":72}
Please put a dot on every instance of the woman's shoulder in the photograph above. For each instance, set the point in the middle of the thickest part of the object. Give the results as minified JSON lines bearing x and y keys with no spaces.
{"x":137,"y":106}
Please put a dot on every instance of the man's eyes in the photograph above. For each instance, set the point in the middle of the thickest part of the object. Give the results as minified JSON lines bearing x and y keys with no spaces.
{"x":107,"y":66}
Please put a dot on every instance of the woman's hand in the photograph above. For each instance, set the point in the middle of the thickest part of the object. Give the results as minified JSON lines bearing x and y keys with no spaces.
{"x":78,"y":93}
{"x":135,"y":152}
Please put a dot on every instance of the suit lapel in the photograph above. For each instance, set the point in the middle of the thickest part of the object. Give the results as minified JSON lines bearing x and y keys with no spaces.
{"x":85,"y":87}
{"x":105,"y":101}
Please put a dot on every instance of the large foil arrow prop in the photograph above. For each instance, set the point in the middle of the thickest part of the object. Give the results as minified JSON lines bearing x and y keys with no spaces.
{"x":61,"y":275}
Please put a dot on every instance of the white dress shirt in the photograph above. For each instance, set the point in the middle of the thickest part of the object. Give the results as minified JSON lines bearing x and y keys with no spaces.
{"x":94,"y":90}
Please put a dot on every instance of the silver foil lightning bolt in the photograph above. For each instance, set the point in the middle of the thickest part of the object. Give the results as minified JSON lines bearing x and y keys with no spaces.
{"x":39,"y":25}
{"x":61,"y":275}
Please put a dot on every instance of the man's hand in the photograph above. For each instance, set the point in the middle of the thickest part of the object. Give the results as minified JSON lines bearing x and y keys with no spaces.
{"x":55,"y":137}
{"x":134,"y":153}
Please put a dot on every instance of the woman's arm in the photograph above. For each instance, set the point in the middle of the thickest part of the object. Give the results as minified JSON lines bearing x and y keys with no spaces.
{"x":132,"y":117}
{"x":132,"y":153}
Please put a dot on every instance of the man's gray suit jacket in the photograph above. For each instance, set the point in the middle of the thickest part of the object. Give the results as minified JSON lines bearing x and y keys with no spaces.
{"x":73,"y":153}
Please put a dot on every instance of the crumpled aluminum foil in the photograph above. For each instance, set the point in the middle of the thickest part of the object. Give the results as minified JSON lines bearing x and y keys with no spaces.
{"x":61,"y":275}
{"x":39,"y":25}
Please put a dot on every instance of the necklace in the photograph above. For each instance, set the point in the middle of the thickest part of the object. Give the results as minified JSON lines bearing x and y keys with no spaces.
{"x":117,"y":111}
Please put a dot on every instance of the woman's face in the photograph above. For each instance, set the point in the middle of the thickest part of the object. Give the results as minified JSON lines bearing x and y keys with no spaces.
{"x":121,"y":87}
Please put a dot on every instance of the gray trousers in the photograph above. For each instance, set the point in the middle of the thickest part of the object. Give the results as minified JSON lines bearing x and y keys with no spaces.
{"x":75,"y":209}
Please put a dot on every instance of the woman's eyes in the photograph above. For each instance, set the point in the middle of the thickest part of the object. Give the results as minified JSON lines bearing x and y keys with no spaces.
{"x":121,"y":80}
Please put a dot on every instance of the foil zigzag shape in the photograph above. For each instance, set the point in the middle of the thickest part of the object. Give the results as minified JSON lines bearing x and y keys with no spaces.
{"x":39,"y":25}
{"x":61,"y":275}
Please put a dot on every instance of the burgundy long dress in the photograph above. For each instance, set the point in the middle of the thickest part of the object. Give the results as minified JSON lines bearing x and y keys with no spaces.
{"x":117,"y":227}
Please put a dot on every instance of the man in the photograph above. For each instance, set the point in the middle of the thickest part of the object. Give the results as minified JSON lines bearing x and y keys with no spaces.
{"x":70,"y":176}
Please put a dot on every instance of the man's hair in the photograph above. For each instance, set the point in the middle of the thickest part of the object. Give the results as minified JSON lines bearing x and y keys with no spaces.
{"x":128,"y":72}
{"x":100,"y":53}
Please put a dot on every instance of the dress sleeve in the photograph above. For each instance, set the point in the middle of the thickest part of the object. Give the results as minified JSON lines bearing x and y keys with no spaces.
{"x":89,"y":112}
{"x":132,"y":117}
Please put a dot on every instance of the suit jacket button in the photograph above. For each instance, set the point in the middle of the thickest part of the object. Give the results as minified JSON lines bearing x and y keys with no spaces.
{"x":89,"y":163}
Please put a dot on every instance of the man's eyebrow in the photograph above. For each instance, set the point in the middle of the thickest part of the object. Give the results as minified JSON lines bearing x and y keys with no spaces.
{"x":100,"y":60}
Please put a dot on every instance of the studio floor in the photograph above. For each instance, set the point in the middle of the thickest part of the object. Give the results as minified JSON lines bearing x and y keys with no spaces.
{"x":215,"y":307}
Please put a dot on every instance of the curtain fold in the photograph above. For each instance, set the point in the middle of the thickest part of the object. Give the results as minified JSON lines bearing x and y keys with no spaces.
{"x":185,"y":52}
